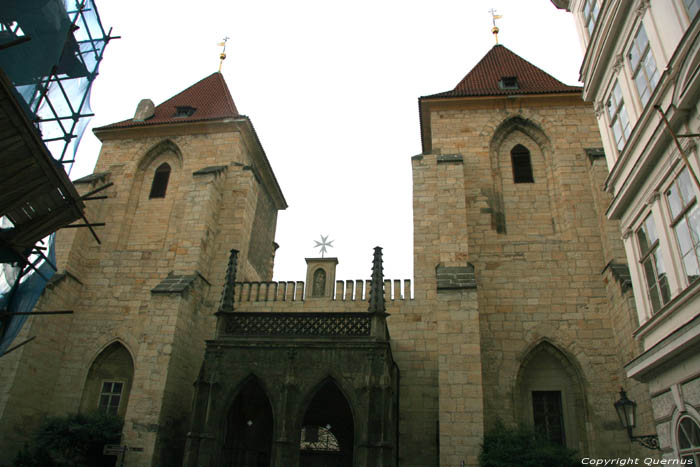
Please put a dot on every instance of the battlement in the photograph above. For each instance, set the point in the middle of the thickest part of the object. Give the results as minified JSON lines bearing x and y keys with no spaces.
{"x":295,"y":291}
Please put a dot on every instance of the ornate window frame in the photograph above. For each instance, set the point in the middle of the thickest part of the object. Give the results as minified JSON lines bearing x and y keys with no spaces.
{"x":640,"y":57}
{"x":688,"y":413}
{"x":590,"y":14}
{"x":618,"y":117}
{"x":655,"y":203}
{"x":652,"y":263}
{"x":678,"y":215}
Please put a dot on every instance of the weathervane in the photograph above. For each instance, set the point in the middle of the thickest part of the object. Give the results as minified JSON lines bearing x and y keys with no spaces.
{"x":222,"y":55}
{"x":323,"y":244}
{"x":494,"y":17}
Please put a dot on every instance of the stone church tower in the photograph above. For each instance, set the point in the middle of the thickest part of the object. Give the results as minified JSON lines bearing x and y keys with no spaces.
{"x":184,"y":182}
{"x":510,"y":183}
{"x":521,"y":311}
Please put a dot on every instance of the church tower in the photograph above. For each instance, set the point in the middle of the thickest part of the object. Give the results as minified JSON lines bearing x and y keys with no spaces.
{"x":508,"y":190}
{"x":176,"y":187}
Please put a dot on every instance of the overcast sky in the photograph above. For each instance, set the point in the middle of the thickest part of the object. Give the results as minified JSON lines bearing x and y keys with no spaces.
{"x":332,"y":89}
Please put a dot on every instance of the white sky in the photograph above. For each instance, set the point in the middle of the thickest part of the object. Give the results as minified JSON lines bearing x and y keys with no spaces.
{"x":332,"y":89}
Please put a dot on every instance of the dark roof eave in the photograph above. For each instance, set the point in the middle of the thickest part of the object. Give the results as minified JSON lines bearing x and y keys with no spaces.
{"x":146,"y":124}
{"x":453,"y":95}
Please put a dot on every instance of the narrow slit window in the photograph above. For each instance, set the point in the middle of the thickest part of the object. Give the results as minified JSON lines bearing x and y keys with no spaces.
{"x":160,"y":181}
{"x":522,"y":166}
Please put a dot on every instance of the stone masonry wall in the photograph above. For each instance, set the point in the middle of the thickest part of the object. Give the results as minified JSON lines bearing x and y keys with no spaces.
{"x":446,"y":298}
{"x":186,"y":234}
{"x":29,"y":374}
{"x":539,"y":278}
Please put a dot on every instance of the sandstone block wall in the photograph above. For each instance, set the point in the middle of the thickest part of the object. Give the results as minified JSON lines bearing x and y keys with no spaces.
{"x":538,"y":250}
{"x":450,"y":304}
{"x":186,"y":234}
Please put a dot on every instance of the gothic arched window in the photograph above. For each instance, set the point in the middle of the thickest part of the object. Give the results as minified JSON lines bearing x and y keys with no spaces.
{"x":109,"y":381}
{"x":522,"y":166}
{"x":160,"y":181}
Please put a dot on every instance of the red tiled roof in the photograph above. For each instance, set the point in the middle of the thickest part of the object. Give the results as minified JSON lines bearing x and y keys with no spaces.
{"x":210,"y":97}
{"x":499,"y":62}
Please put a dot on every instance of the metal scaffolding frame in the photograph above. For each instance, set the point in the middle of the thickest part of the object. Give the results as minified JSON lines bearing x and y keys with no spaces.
{"x":50,"y":51}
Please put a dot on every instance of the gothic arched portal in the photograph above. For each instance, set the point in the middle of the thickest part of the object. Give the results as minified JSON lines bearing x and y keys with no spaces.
{"x":328,"y":430}
{"x":549,"y":396}
{"x":249,"y":428}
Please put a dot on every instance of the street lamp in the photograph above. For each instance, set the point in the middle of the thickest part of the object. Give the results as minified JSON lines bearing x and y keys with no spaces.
{"x":626,"y":411}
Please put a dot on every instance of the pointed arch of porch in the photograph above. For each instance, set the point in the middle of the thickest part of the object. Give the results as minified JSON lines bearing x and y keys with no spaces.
{"x":247,"y":424}
{"x":313,"y":385}
{"x":327,"y":408}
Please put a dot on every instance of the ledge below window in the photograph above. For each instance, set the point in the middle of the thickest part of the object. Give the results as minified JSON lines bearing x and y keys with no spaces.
{"x":668,"y":310}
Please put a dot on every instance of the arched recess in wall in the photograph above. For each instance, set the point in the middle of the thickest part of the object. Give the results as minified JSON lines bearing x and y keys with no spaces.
{"x":248,"y":427}
{"x":152,"y":197}
{"x":522,"y":206}
{"x":318,"y":288}
{"x":549,"y":396}
{"x":327,"y":429}
{"x":108,"y":383}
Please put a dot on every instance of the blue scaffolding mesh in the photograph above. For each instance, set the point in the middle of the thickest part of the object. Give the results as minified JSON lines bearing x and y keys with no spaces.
{"x":50,"y":50}
{"x":54,"y":70}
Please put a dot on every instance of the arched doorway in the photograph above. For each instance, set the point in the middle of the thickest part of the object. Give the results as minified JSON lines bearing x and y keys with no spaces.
{"x":550,"y":396}
{"x":249,"y":428}
{"x":328,"y":430}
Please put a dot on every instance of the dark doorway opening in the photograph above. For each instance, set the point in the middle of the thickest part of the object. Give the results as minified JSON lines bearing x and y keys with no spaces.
{"x":328,"y":430}
{"x":548,"y":415}
{"x":249,"y":428}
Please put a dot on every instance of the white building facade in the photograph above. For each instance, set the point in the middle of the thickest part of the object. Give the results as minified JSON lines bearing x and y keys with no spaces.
{"x":642,"y":59}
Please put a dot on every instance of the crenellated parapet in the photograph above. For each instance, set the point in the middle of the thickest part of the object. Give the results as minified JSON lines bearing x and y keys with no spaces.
{"x":296,"y":291}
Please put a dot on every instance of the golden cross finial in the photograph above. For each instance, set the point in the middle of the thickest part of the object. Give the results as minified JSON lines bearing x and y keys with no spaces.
{"x":222,"y":55}
{"x":494,"y":17}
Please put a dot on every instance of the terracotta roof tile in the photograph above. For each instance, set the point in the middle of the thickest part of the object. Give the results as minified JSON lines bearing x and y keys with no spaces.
{"x":499,"y":62}
{"x":209,"y":97}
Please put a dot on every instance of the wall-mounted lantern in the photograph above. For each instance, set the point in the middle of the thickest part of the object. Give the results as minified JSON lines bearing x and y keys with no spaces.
{"x":626,"y":411}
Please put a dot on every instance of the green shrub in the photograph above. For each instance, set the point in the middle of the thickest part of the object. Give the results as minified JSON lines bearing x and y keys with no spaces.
{"x":74,"y":440}
{"x":522,"y":447}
